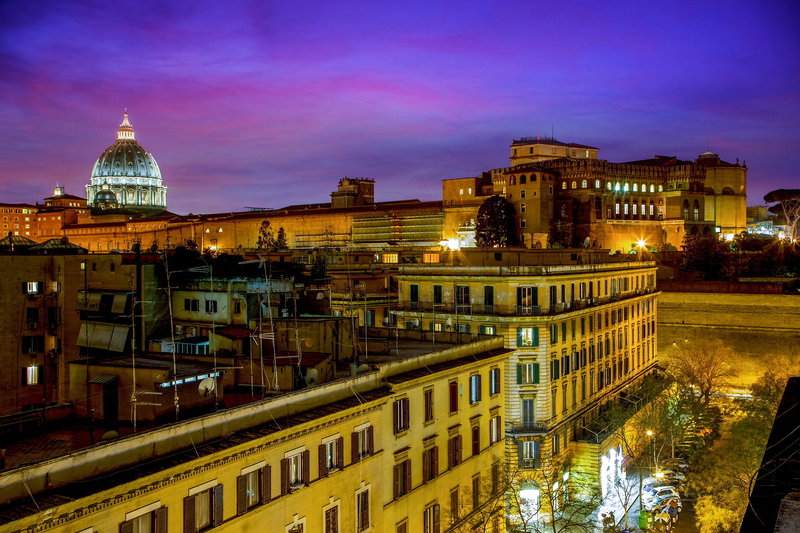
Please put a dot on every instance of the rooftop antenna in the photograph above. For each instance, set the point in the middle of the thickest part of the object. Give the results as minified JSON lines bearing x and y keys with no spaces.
{"x":552,"y":132}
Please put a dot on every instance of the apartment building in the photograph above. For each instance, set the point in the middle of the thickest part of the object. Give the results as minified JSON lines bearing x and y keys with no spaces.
{"x":581,"y":326}
{"x":409,"y":446}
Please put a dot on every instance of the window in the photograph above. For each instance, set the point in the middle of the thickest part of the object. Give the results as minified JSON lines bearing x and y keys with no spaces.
{"x":488,"y":299}
{"x":390,"y":258}
{"x":487,"y":330}
{"x":32,"y":317}
{"x":462,"y":299}
{"x":32,"y":344}
{"x":527,"y":300}
{"x":331,"y":519}
{"x":474,"y":389}
{"x":361,"y":443}
{"x":476,"y":491}
{"x":527,"y":337}
{"x":237,"y":307}
{"x":454,"y":505}
{"x":191,"y":305}
{"x":295,"y":471}
{"x":476,"y":440}
{"x":430,"y":463}
{"x":252,"y":488}
{"x":554,"y":369}
{"x":402,"y":478}
{"x":453,"y":389}
{"x":362,"y":510}
{"x":413,"y":295}
{"x":430,"y":258}
{"x":149,"y":519}
{"x":211,"y":306}
{"x":437,"y":294}
{"x":428,"y":401}
{"x":202,"y":509}
{"x":32,"y":287}
{"x":494,"y":381}
{"x":529,"y":454}
{"x":32,"y":375}
{"x":528,"y":373}
{"x":331,"y":455}
{"x":495,"y":429}
{"x":454,"y":451}
{"x":401,"y":421}
{"x":430,"y":519}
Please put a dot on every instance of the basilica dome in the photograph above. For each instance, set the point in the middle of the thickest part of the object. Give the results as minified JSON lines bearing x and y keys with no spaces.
{"x":128,"y":171}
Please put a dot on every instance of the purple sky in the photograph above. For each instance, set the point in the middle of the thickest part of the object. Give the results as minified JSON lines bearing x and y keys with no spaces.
{"x":270,"y":103}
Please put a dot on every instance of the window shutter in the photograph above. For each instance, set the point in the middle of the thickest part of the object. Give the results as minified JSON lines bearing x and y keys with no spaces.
{"x":218,"y":509}
{"x":476,"y":440}
{"x":397,"y":474}
{"x":535,"y":336}
{"x":405,"y":413}
{"x":340,"y":452}
{"x":241,"y":494}
{"x":436,"y":518}
{"x":434,"y":461}
{"x":284,"y":476}
{"x":478,"y":384}
{"x":451,"y":452}
{"x":323,"y":467}
{"x":426,"y":465}
{"x":266,"y":484}
{"x":519,"y":374}
{"x":519,"y":337}
{"x":396,"y":416}
{"x":161,"y":520}
{"x":354,"y":456}
{"x":306,"y":467}
{"x":407,"y":474}
{"x":458,"y":449}
{"x":520,"y":455}
{"x":370,"y":440}
{"x":188,"y":514}
{"x":536,"y":373}
{"x":126,"y":527}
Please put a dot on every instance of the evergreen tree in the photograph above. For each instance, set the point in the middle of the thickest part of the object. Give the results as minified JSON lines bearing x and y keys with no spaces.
{"x":496,"y":226}
{"x":280,"y":241}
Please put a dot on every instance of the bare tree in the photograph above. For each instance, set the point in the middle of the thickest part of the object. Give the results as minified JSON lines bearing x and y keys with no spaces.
{"x":700,"y":369}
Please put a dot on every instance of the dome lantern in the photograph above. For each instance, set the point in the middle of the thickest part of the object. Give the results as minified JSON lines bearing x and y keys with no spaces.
{"x":125,"y":131}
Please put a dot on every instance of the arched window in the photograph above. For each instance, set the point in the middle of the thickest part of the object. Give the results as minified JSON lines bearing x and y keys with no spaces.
{"x":574,"y":184}
{"x":652,"y":188}
{"x":596,"y":184}
{"x":513,"y":180}
{"x":652,"y":208}
{"x":660,"y":188}
{"x":609,"y":186}
{"x":696,"y":210}
{"x":635,"y":187}
{"x":533,"y":177}
{"x":617,"y":187}
{"x":635,"y":209}
{"x":584,"y":184}
{"x":625,"y":188}
{"x":643,"y":210}
{"x":626,"y":209}
{"x":686,"y":210}
{"x":563,"y":184}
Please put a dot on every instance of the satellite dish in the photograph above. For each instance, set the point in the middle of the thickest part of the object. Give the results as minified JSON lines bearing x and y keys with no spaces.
{"x":362,"y":368}
{"x":312,"y":376}
{"x":416,"y":322}
{"x":449,"y":321}
{"x":207,"y":386}
{"x":320,"y":296}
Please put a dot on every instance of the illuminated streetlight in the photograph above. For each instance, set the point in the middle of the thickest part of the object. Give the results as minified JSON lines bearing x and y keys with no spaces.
{"x":641,"y":243}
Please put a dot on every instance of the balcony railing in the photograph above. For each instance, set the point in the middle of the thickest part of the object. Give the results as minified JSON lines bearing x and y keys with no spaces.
{"x":529,"y":463}
{"x":529,"y":428}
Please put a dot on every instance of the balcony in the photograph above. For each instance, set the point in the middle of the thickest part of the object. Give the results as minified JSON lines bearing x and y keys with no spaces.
{"x":529,"y":310}
{"x":530,"y":463}
{"x":529,"y":428}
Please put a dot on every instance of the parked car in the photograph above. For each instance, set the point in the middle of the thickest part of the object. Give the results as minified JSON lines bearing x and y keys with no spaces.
{"x":666,"y":504}
{"x":657,"y":494}
{"x":671,"y":474}
{"x":677,"y":464}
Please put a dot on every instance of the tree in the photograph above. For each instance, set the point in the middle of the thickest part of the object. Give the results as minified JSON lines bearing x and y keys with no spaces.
{"x":280,"y":241}
{"x":496,"y":225}
{"x":708,"y":257}
{"x":700,"y":369}
{"x":266,"y":239}
{"x":788,"y":206}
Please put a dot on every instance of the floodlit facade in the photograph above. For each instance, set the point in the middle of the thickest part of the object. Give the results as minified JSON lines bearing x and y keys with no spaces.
{"x":581,"y":326}
{"x":408,"y":446}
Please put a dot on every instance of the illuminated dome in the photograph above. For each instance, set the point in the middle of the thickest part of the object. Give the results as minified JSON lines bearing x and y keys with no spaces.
{"x":129,"y":173}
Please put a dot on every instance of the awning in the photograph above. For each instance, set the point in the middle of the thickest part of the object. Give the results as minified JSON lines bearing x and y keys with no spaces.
{"x":104,"y":379}
{"x":104,"y":336}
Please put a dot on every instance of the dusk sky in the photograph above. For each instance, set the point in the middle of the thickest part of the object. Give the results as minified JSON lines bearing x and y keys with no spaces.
{"x":268,"y":104}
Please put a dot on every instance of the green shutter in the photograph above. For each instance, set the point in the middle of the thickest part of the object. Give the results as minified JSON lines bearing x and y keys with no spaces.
{"x":519,"y":374}
{"x":519,"y":337}
{"x":535,"y":336}
{"x":536,"y":373}
{"x":555,"y":370}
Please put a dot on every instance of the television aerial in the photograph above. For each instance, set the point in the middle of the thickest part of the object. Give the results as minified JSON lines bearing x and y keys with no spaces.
{"x":312,"y":376}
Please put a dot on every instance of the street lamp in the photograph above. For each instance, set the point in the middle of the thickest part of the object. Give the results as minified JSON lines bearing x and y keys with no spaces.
{"x":650,"y":434}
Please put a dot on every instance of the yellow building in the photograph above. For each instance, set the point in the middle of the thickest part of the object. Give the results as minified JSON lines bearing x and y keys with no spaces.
{"x":407,"y":446}
{"x":581,"y":326}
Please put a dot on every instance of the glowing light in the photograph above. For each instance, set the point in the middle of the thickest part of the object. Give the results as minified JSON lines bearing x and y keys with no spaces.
{"x":728,"y":237}
{"x":454,"y":244}
{"x":649,"y":432}
{"x":659,"y":475}
{"x":641,"y":243}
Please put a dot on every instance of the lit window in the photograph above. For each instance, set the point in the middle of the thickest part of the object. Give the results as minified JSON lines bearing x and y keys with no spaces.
{"x":430,"y":519}
{"x":495,"y":429}
{"x":211,"y":306}
{"x":528,"y":373}
{"x":390,"y":258}
{"x":32,"y":375}
{"x":430,"y":258}
{"x":527,"y":337}
{"x":474,"y":389}
{"x":494,"y":381}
